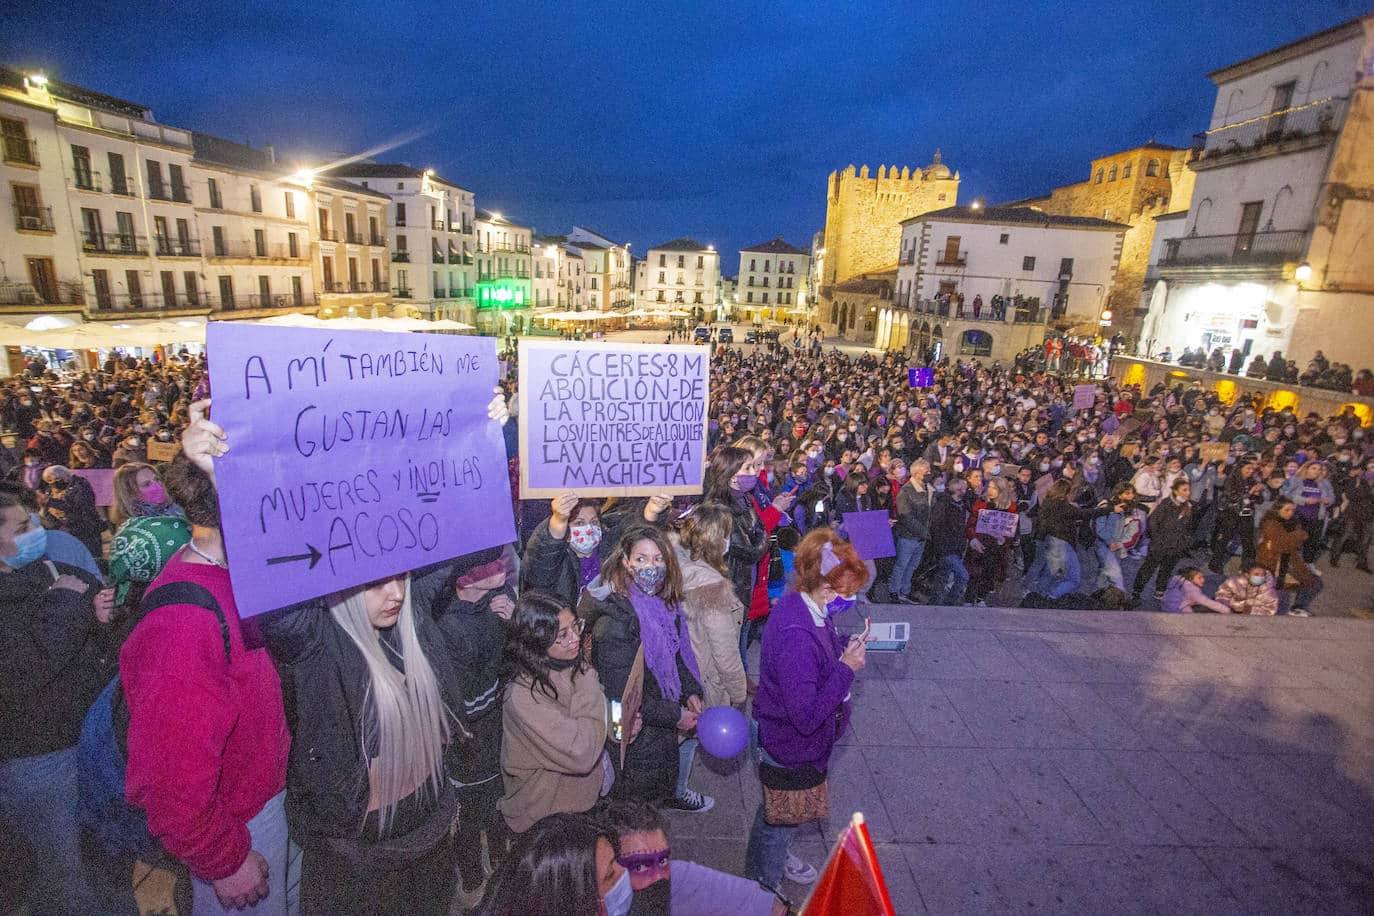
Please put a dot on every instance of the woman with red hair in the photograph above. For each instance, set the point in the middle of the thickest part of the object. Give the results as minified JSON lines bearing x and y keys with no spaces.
{"x":805,"y":671}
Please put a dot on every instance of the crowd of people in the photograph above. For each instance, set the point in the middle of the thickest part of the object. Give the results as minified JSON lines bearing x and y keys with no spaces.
{"x":1320,"y":372}
{"x":457,"y":734}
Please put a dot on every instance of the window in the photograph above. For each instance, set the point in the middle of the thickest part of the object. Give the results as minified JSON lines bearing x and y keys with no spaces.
{"x":134,"y":281}
{"x":975,"y":343}
{"x":324,"y":224}
{"x":18,"y":146}
{"x":767,"y":265}
{"x":226,"y":292}
{"x":161,"y":235}
{"x":750,"y":296}
{"x":701,"y":262}
{"x":101,"y":279}
{"x":951,"y":255}
{"x":184,"y":237}
{"x":297,"y":291}
{"x":400,"y":214}
{"x":1004,"y":238}
{"x":169,"y":289}
{"x":81,"y":168}
{"x":662,"y":260}
{"x":260,"y":242}
{"x":155,"y":186}
{"x":765,"y":298}
{"x":1028,"y":262}
{"x":1066,"y":267}
{"x":1126,"y":171}
{"x":264,"y":291}
{"x":293,"y":245}
{"x":1098,"y":178}
{"x":289,"y":198}
{"x":190,"y":279}
{"x":217,"y":240}
{"x":94,"y":236}
{"x":751,"y":265}
{"x":179,"y":190}
{"x":661,"y":277}
{"x":124,"y":223}
{"x":119,"y":179}
{"x":376,"y":275}
{"x":1249,"y":223}
{"x":351,"y":228}
{"x":216,"y":201}
{"x":327,"y":273}
{"x":1111,"y":175}
{"x":698,"y":299}
{"x":375,"y":236}
{"x":1152,"y":168}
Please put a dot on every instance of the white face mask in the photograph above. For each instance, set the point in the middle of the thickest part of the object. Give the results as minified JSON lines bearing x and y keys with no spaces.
{"x":620,"y":897}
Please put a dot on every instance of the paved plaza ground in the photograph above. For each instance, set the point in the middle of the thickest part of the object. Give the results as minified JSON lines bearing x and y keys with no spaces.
{"x":1090,"y":761}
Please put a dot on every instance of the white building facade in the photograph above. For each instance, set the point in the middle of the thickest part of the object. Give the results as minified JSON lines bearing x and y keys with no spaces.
{"x":606,"y":269}
{"x":680,"y":275}
{"x":1274,"y":253}
{"x":504,"y":274}
{"x":773,"y":282}
{"x":989,"y":281}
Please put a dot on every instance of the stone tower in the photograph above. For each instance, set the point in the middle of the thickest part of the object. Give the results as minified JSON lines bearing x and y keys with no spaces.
{"x":864,"y":212}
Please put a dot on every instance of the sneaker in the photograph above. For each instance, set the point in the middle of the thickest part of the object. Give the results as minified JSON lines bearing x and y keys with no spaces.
{"x":1299,"y":612}
{"x":798,"y":871}
{"x":980,"y":603}
{"x":1158,"y":595}
{"x":693,"y":801}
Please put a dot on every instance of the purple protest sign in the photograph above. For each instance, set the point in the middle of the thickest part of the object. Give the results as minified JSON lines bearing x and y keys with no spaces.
{"x":920,"y":377}
{"x":354,"y":455}
{"x":101,"y":481}
{"x":1084,"y":396}
{"x":612,"y":419}
{"x":996,"y":523}
{"x":871,"y":534}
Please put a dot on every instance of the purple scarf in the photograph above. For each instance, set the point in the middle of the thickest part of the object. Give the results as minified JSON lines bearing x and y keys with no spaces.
{"x":662,"y":640}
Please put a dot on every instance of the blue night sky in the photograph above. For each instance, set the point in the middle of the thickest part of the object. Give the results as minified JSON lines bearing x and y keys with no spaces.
{"x":647,"y":121}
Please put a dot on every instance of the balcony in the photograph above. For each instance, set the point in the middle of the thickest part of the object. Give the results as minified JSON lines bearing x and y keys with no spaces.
{"x":176,"y":248}
{"x":86,"y":180}
{"x":251,"y":251}
{"x":961,"y":260}
{"x":401,"y":255}
{"x":115,"y":244}
{"x":457,"y":293}
{"x":1012,"y":311}
{"x":20,"y":151}
{"x":437,"y":256}
{"x":33,"y":219}
{"x":353,"y":238}
{"x":168,"y":191}
{"x":67,"y":292}
{"x":455,"y":257}
{"x":440,"y":225}
{"x":377,"y":241}
{"x":1240,"y":249}
{"x":121,"y":185}
{"x":400,"y":293}
{"x":1291,"y":129}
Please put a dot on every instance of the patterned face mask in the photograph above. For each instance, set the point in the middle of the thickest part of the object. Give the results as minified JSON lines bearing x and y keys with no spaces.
{"x":650,"y":578}
{"x":585,"y":537}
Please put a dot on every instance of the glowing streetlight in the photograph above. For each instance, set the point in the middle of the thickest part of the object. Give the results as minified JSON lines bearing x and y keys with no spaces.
{"x":1303,"y":273}
{"x":37,"y":79}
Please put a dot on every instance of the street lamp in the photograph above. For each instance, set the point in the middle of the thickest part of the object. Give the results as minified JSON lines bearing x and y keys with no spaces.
{"x":1303,"y":273}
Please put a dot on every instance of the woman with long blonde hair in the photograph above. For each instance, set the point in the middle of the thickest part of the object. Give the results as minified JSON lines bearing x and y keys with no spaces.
{"x":139,"y":493}
{"x":374,"y":701}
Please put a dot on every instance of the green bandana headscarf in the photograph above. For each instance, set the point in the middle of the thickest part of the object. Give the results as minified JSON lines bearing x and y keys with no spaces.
{"x":141,"y":548}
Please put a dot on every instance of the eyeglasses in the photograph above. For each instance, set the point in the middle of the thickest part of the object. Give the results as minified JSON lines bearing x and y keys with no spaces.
{"x":571,"y":634}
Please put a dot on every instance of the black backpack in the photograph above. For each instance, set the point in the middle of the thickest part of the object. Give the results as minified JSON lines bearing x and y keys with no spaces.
{"x":119,"y":829}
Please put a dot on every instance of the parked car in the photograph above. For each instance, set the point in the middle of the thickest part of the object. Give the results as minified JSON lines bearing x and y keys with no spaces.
{"x":751,"y":336}
{"x":726,"y":335}
{"x":702,"y":334}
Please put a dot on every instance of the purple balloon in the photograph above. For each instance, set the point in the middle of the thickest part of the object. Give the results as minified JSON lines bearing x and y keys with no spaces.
{"x":723,"y":731}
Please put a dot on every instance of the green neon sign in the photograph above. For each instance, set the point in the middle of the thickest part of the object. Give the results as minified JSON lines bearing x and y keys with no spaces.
{"x":500,"y":294}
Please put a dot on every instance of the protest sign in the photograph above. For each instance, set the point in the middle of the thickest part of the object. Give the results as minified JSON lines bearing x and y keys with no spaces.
{"x":871,"y":534}
{"x":162,"y":451}
{"x":1214,"y":451}
{"x":995,"y":523}
{"x":101,"y":481}
{"x":354,"y":455}
{"x":1084,"y":396}
{"x":920,"y":377}
{"x":611,"y":419}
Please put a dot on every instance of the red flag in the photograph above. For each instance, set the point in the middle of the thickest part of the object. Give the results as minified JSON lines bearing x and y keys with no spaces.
{"x":852,"y":882}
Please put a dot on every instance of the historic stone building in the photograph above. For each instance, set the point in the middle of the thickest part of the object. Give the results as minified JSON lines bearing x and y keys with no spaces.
{"x":863,"y":220}
{"x":1132,"y":187}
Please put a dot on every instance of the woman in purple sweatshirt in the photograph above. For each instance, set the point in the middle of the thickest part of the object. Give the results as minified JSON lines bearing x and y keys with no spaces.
{"x":805,"y":671}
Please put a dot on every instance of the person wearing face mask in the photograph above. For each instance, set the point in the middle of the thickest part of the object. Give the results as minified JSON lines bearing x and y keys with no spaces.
{"x":729,"y":481}
{"x":1171,"y":527}
{"x":806,"y":670}
{"x":566,"y":863}
{"x":50,"y":649}
{"x":948,"y":543}
{"x":564,"y":553}
{"x":130,"y":450}
{"x":1251,"y":591}
{"x":473,"y":616}
{"x":636,"y":604}
{"x":664,"y":886}
{"x":139,"y":493}
{"x":713,"y":611}
{"x":68,"y":503}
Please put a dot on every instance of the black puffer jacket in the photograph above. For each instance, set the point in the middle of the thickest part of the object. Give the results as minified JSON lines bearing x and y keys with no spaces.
{"x":325,"y":685}
{"x":748,"y":541}
{"x":650,"y":771}
{"x":1171,"y":527}
{"x":50,"y":653}
{"x":476,"y":639}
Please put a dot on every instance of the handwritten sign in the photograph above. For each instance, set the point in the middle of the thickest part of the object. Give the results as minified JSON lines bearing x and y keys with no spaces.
{"x":920,"y":376}
{"x":354,"y":455}
{"x":101,"y":481}
{"x":871,"y":534}
{"x":1084,"y":396}
{"x":995,"y":523}
{"x":611,"y":419}
{"x":162,"y":451}
{"x":1214,"y":451}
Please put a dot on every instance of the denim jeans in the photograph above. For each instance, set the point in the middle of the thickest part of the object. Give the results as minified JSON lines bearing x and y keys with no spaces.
{"x":765,"y":857}
{"x":1301,"y":597}
{"x":267,"y":831}
{"x":38,"y":804}
{"x":953,"y":580}
{"x":909,"y":552}
{"x":686,"y":752}
{"x":1109,"y":568}
{"x":1059,"y":571}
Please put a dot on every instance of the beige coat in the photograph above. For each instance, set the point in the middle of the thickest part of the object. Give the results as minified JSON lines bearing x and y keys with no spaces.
{"x":551,"y":754}
{"x":714,"y":615}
